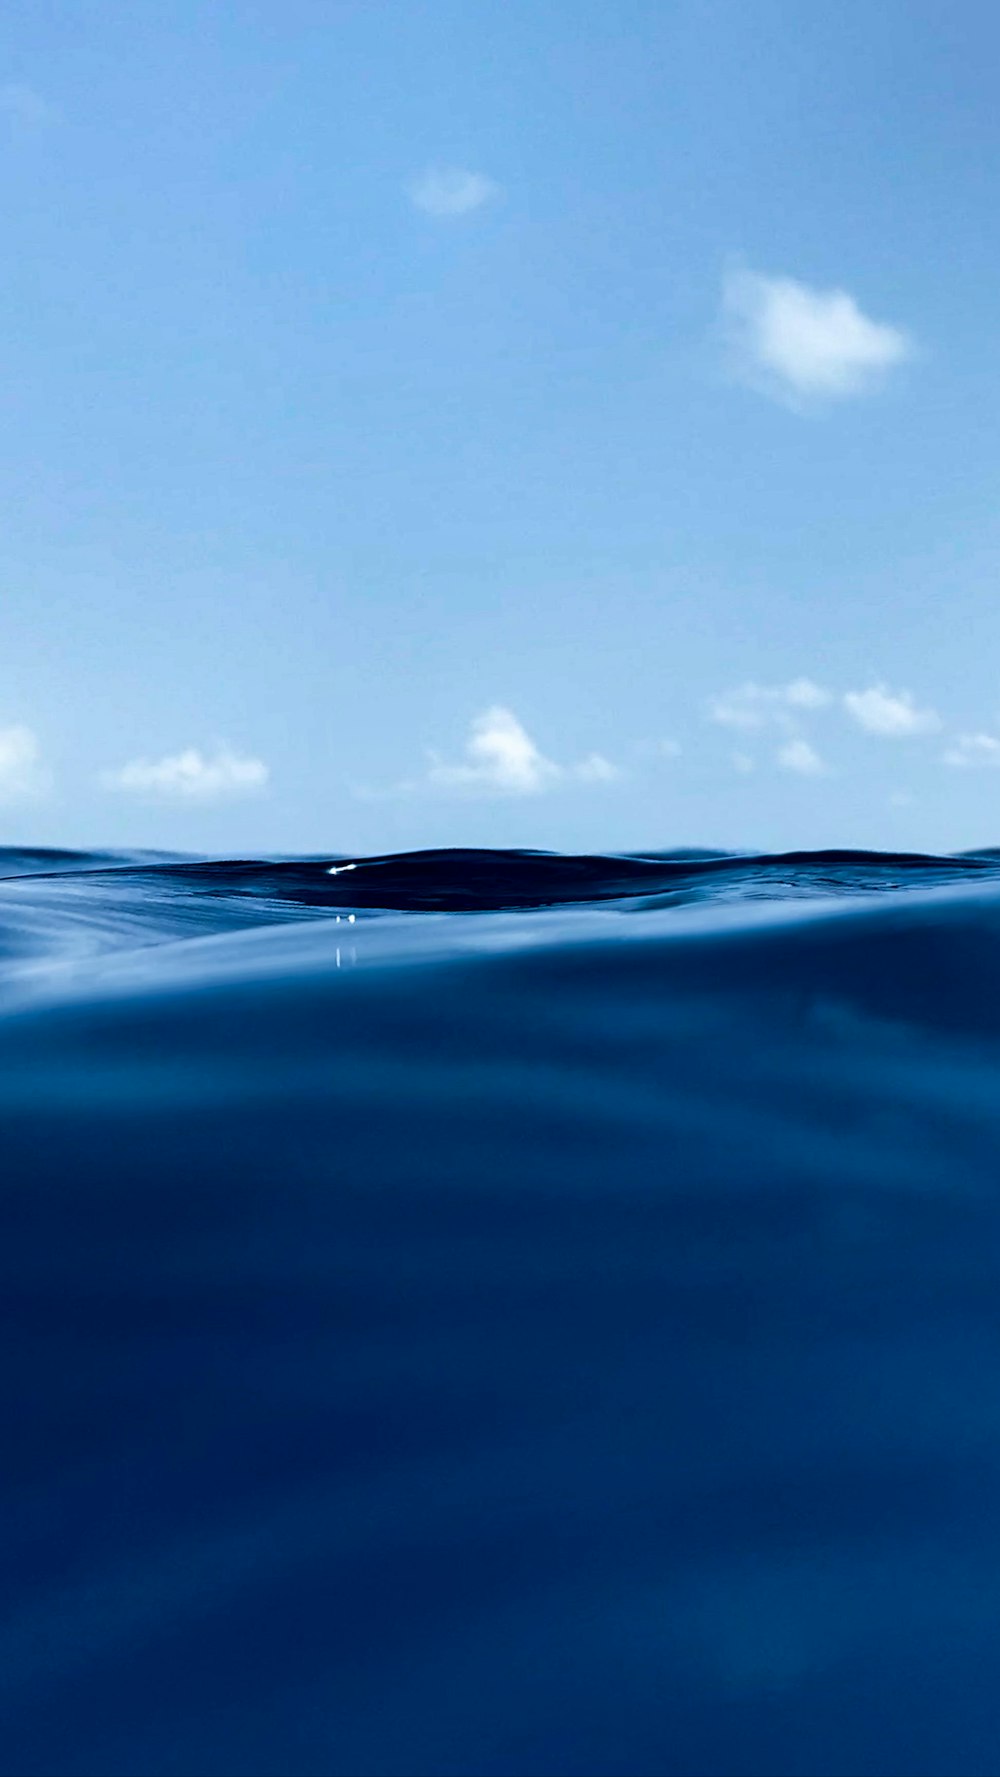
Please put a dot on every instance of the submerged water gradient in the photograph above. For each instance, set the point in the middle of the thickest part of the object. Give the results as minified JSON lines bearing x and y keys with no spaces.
{"x":500,"y":1313}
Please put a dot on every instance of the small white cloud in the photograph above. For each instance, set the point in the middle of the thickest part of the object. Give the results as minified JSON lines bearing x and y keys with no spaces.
{"x":737,"y":709}
{"x":501,"y":759}
{"x":973,"y":750}
{"x":22,"y":774}
{"x":451,"y":191}
{"x":743,"y":762}
{"x":790,"y":340}
{"x":902,"y":799}
{"x":595,"y":769}
{"x":192,"y":777}
{"x":891,"y":714}
{"x":755,"y":706}
{"x":658,"y":749}
{"x":798,"y":755}
{"x":805,"y":694}
{"x":25,"y":110}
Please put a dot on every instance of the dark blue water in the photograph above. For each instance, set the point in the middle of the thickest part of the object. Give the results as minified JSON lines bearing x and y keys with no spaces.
{"x":500,"y":1313}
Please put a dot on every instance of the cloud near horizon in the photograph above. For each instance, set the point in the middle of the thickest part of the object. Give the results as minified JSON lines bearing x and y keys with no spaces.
{"x":191,"y":776}
{"x":793,"y":342}
{"x":894,"y":715}
{"x":880,"y":711}
{"x":500,"y":756}
{"x":755,"y":706}
{"x":22,"y":774}
{"x":797,"y":755}
{"x":970,"y":750}
{"x":501,"y":759}
{"x":451,"y":191}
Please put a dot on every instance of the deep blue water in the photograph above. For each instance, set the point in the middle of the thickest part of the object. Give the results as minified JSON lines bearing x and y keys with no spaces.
{"x":500,"y":1313}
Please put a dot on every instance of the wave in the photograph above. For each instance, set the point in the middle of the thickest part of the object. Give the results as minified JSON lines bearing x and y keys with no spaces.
{"x":556,"y":1340}
{"x":469,"y":881}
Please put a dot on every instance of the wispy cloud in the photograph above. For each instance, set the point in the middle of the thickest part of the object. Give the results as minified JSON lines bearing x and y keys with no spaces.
{"x":596,"y":769}
{"x":22,"y":773}
{"x":24,"y":110}
{"x":894,"y":715}
{"x":451,"y":191}
{"x":659,"y":749}
{"x":793,"y":342}
{"x":761,"y":709}
{"x":191,"y":776}
{"x":500,"y":759}
{"x":971,"y":750}
{"x":756,"y":706}
{"x":797,"y":755}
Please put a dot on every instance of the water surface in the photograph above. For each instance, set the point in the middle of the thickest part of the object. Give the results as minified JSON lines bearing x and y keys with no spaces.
{"x":500,"y":1313}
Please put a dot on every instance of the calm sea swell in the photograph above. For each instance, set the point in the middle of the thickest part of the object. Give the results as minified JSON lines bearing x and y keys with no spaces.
{"x":499,"y":1313}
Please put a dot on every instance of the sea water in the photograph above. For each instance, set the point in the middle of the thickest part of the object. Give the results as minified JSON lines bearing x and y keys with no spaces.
{"x":495,"y":1313}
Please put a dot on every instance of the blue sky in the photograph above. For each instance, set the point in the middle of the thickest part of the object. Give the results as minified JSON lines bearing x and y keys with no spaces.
{"x":522,"y":423}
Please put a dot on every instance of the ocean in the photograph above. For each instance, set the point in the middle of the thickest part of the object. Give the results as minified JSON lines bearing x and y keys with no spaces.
{"x":500,"y":1312}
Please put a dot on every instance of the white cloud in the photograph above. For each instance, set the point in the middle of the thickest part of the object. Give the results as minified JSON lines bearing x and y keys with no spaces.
{"x":595,"y":769}
{"x":22,"y":774}
{"x":792,"y":341}
{"x":737,"y":709}
{"x":892,"y":714}
{"x":804,"y":694}
{"x":659,"y":749}
{"x":501,"y":759}
{"x":754,"y":706}
{"x":972,"y":750}
{"x":190,"y":776}
{"x":25,"y":110}
{"x":743,"y":762}
{"x":451,"y":191}
{"x":798,"y":755}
